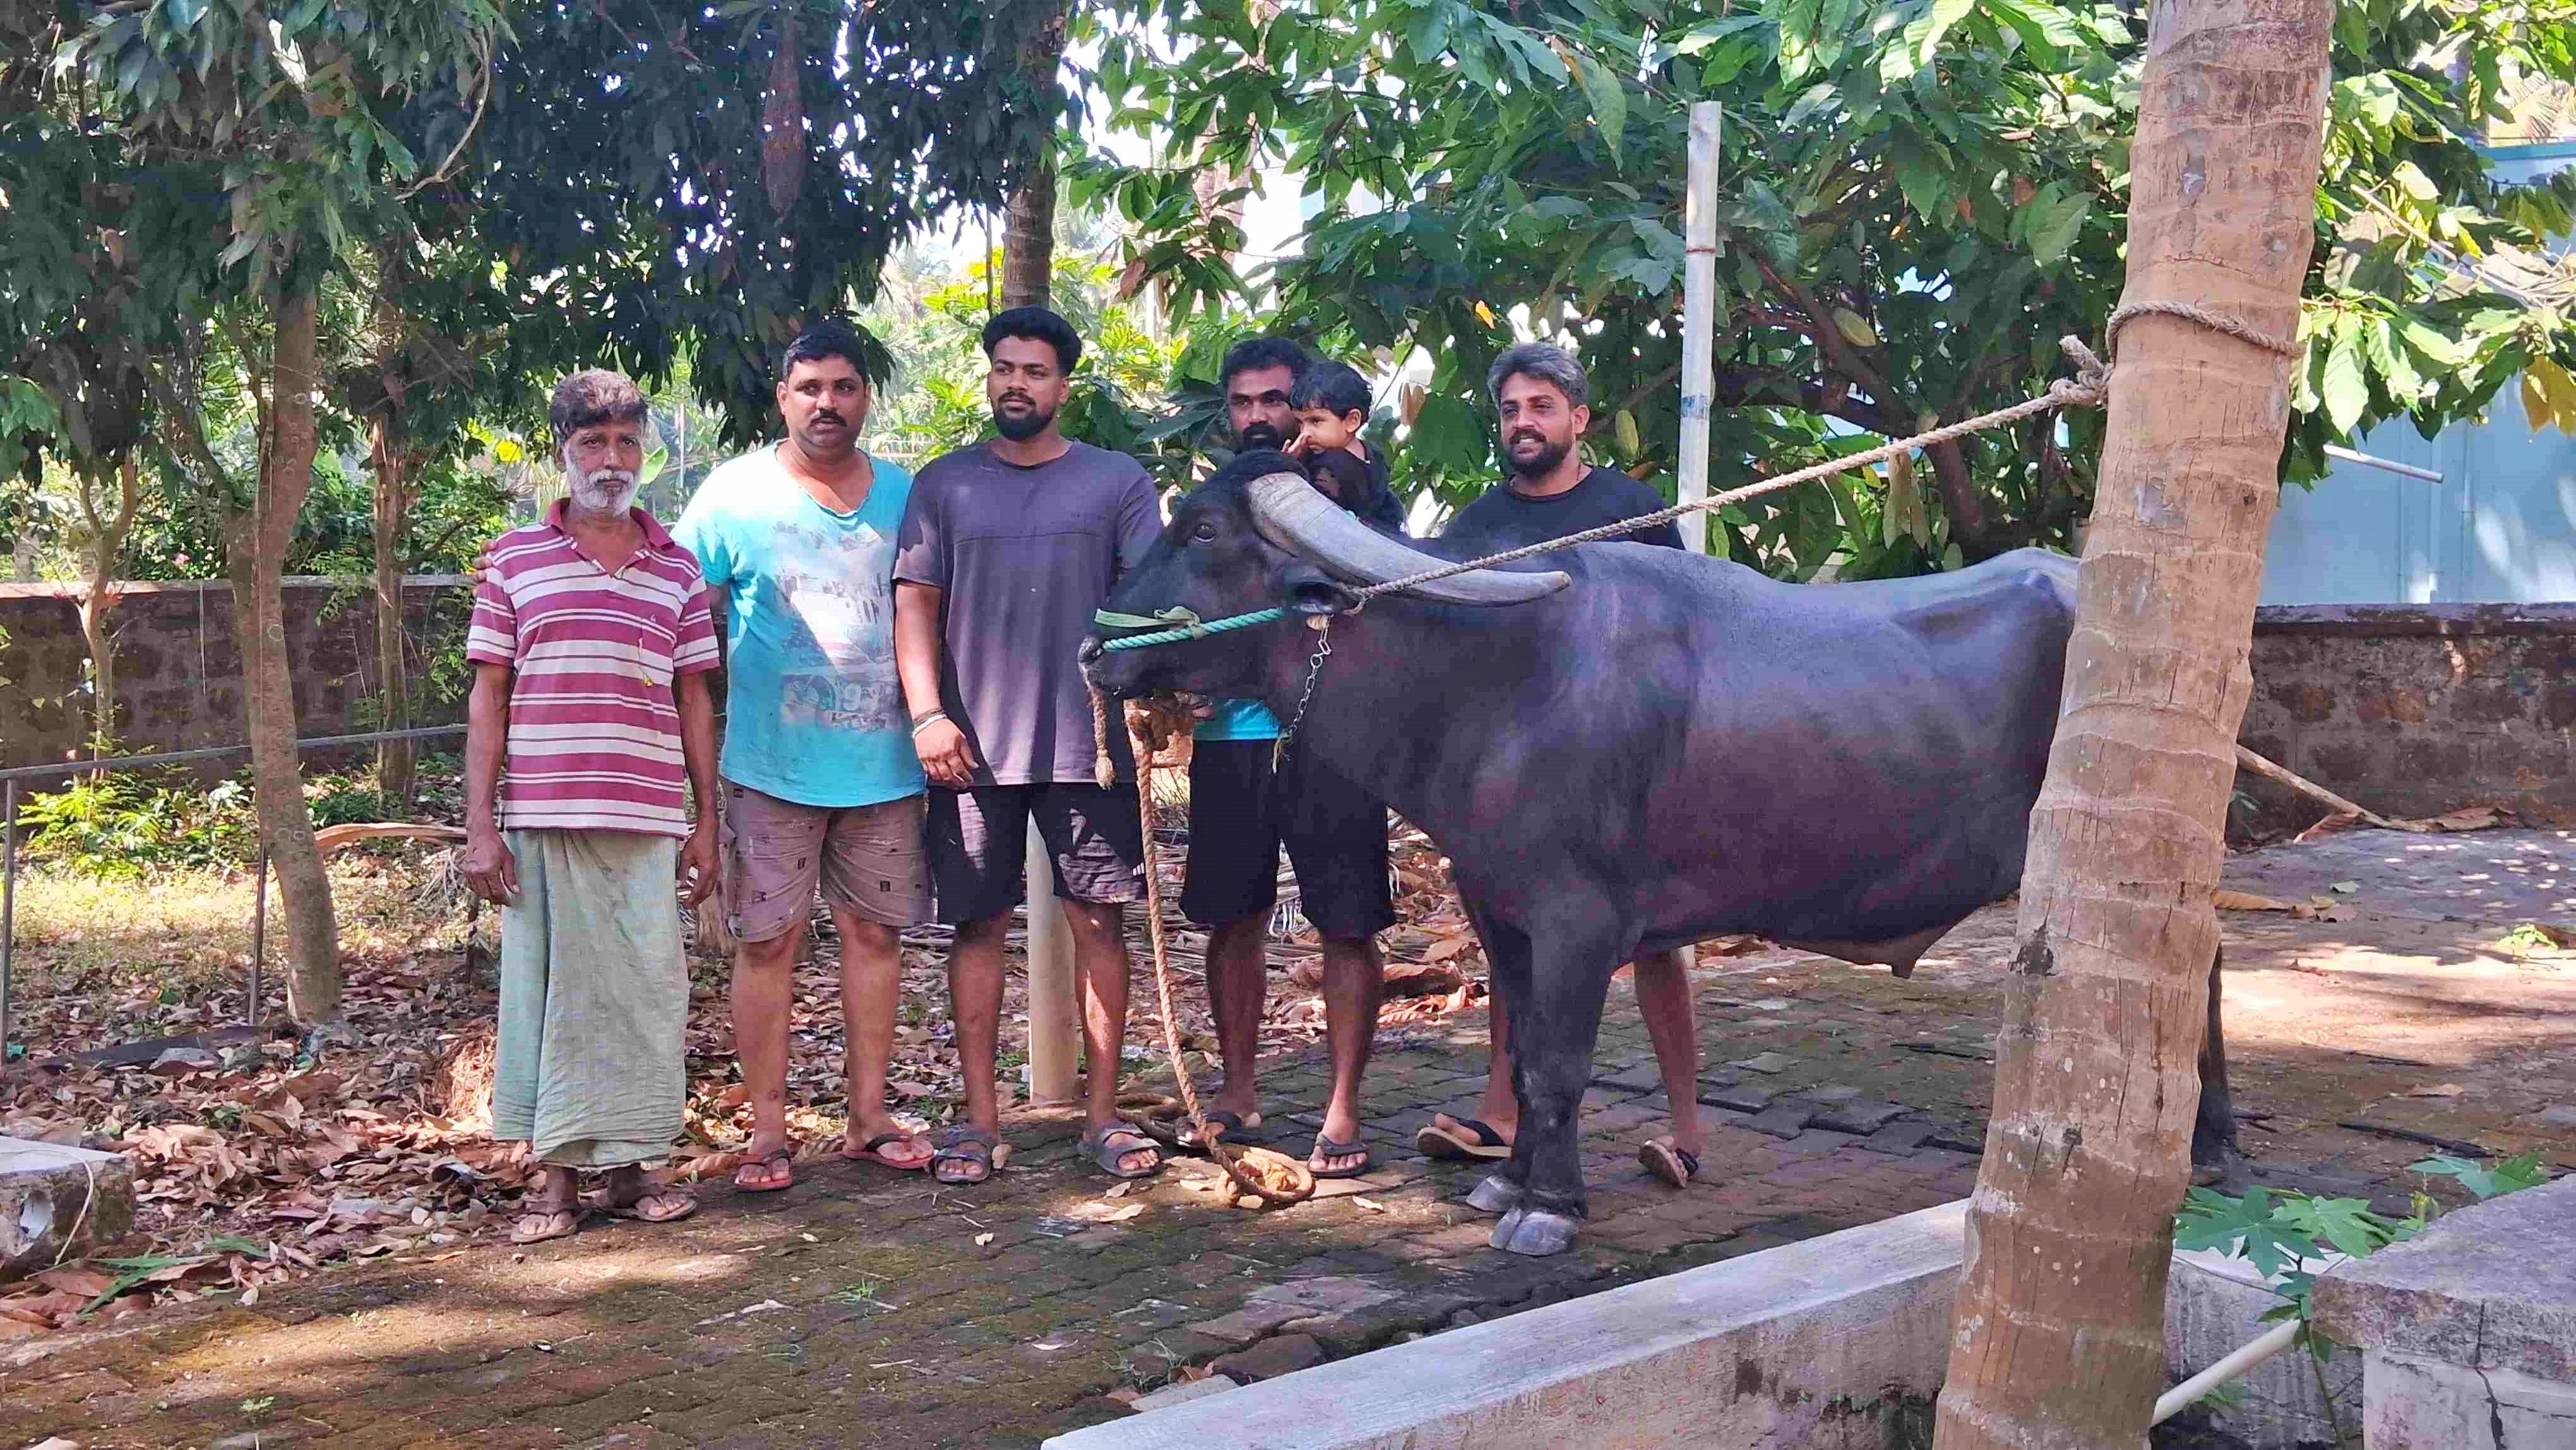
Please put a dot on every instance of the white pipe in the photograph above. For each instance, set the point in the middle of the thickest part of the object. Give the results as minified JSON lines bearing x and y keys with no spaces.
{"x":2239,"y":1361}
{"x":2364,"y":459}
{"x":1055,"y":1038}
{"x":1699,"y":314}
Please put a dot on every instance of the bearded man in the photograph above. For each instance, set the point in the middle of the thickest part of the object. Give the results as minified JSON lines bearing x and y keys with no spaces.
{"x":588,"y":732}
{"x":1007,"y":548}
{"x":1542,"y":400}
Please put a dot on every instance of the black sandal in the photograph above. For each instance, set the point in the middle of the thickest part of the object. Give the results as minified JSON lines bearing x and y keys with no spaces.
{"x":1333,"y":1148}
{"x":961,"y":1144}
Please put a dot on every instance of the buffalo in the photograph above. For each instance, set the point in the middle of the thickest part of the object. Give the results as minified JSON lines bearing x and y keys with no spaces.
{"x":1625,"y":748}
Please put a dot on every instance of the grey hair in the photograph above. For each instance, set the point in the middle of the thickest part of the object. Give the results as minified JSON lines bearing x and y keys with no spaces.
{"x":1544,"y":361}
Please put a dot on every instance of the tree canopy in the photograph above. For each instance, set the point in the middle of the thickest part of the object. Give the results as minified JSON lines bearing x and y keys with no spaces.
{"x":1922,"y":197}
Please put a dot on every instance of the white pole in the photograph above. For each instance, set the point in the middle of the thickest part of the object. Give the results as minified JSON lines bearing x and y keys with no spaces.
{"x":1055,"y":1038}
{"x":2238,"y":1361}
{"x":1699,"y":313}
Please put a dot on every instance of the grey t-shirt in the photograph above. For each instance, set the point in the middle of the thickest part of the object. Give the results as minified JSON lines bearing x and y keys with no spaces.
{"x":1022,"y":557}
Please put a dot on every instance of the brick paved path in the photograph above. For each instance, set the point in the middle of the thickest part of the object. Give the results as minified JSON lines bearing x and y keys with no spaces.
{"x":866,"y":1308}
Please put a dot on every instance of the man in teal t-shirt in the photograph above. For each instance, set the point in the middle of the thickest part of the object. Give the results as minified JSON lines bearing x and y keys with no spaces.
{"x":821,"y":784}
{"x":1242,"y":812}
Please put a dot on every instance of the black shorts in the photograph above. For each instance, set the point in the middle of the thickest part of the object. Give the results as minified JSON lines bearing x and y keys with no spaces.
{"x":978,"y":845}
{"x":1240,"y":815}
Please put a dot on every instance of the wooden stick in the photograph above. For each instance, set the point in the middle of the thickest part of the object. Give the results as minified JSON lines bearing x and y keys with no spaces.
{"x":2314,"y":791}
{"x":1699,"y":312}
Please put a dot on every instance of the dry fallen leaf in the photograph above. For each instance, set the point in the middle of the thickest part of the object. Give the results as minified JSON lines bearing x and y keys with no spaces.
{"x":2437,"y":1090}
{"x":2226,"y":900}
{"x":1124,"y":1214}
{"x":1371,"y":1204}
{"x":982,"y":1239}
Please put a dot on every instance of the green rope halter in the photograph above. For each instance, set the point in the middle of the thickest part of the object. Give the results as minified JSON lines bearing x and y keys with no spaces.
{"x":1181,"y":623}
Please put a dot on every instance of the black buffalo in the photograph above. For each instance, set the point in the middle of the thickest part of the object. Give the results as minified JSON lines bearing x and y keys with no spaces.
{"x":1625,"y":748}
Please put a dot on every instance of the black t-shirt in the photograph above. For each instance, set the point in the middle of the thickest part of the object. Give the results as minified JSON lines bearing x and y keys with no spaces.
{"x":1505,"y":519}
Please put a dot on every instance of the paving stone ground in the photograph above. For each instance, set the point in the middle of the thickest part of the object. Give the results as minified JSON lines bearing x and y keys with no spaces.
{"x":871,"y":1308}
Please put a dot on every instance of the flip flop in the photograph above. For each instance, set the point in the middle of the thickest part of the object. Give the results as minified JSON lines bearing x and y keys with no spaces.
{"x":1105,"y":1151}
{"x":770,"y":1162}
{"x":962,"y":1144}
{"x":1333,"y":1148}
{"x":522,"y":1235}
{"x":872,"y":1151}
{"x":598,"y":1202}
{"x":1436,"y":1141}
{"x":1675,"y":1166}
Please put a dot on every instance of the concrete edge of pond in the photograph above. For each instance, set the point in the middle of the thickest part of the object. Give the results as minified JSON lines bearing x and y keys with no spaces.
{"x":1813,"y":1343}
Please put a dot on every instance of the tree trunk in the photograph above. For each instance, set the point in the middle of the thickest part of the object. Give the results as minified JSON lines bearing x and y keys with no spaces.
{"x":1028,"y":220}
{"x":2060,"y":1336}
{"x":393,"y":512}
{"x":255,"y":542}
{"x":107,"y":531}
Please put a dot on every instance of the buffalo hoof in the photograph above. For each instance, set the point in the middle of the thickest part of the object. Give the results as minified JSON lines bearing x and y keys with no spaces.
{"x":1534,"y":1232}
{"x":1496,"y":1194}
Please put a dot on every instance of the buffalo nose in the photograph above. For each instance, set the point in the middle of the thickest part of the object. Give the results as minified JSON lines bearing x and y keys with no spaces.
{"x":1089,"y":652}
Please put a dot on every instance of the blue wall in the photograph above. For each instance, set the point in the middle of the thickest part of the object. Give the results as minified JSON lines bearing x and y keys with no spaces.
{"x":2499,"y":528}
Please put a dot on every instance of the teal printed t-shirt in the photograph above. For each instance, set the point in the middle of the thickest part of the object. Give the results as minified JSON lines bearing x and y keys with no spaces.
{"x":1238,"y":720}
{"x":814,"y":710}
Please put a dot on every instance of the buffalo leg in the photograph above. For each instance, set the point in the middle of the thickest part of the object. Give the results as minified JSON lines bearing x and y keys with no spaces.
{"x":1507,"y":956}
{"x":2213,"y":1129}
{"x":1554,"y":1033}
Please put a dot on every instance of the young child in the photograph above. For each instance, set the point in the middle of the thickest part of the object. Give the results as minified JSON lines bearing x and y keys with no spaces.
{"x":1332,"y":403}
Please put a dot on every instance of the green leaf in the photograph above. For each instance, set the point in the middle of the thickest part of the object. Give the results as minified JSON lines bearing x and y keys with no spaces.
{"x":1609,"y":100}
{"x":2347,"y":1223}
{"x":2052,"y":234}
{"x":2396,"y":369}
{"x":2484,"y":1181}
{"x":2345,"y":389}
{"x":1920,"y":175}
{"x":1923,"y":36}
{"x":2253,"y":1228}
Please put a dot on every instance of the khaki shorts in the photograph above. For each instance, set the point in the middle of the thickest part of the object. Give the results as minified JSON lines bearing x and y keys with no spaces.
{"x":867,"y":859}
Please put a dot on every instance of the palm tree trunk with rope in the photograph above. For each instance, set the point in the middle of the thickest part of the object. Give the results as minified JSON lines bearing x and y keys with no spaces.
{"x":2060,"y":1333}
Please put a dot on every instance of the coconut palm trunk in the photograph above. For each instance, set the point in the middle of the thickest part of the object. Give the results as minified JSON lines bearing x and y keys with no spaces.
{"x":2060,"y":1334}
{"x":1028,"y":218}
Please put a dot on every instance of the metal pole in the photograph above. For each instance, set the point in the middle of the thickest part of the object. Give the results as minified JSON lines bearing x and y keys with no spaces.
{"x":258,"y":937}
{"x":8,"y":906}
{"x":1055,"y":1039}
{"x":1699,"y":312}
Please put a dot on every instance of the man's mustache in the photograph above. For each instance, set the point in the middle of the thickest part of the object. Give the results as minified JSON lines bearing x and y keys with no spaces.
{"x":1263,"y":435}
{"x":1528,"y":435}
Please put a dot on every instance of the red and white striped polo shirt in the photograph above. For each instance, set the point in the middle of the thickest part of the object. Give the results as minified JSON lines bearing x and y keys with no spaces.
{"x":594,"y":741}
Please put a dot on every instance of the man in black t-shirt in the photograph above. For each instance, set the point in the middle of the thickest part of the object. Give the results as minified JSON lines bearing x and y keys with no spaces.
{"x":1540,"y":394}
{"x":1539,"y":391}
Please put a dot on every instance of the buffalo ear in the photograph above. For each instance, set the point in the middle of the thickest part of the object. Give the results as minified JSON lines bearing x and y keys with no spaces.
{"x":1307,"y":591}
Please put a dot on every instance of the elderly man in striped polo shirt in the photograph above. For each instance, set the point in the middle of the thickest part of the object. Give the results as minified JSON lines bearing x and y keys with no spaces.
{"x":588,"y":729}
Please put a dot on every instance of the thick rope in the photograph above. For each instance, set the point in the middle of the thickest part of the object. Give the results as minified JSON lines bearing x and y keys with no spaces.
{"x":1195,"y":631}
{"x":1147,"y":729}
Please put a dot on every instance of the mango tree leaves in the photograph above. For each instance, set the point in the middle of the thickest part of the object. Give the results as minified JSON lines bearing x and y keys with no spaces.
{"x":1952,"y":177}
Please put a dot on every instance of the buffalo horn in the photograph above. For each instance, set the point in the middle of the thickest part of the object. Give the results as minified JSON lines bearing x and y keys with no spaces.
{"x":1291,"y":514}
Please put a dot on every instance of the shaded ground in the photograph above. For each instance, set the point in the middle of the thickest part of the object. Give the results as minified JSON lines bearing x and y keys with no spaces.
{"x":868,"y":1308}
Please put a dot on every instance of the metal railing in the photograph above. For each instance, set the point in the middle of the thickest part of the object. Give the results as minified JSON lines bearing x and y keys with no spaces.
{"x":9,"y":783}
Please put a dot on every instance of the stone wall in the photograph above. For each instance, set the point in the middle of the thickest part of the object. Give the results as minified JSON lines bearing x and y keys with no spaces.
{"x":179,"y":673}
{"x":2412,"y":710}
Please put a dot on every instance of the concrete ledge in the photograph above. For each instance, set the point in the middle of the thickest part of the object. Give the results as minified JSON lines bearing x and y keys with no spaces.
{"x":2489,"y":1287}
{"x":1814,"y":1344}
{"x":58,"y":1201}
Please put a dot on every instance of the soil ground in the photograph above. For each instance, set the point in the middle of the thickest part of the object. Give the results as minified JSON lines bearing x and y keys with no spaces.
{"x":869,"y":1308}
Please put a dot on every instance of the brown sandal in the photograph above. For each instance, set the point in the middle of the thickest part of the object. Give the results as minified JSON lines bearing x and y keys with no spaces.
{"x":536,"y":1223}
{"x":634,"y":1208}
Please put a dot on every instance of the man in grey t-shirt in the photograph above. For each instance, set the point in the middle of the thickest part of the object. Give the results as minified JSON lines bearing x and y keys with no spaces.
{"x":1006,"y":549}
